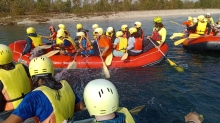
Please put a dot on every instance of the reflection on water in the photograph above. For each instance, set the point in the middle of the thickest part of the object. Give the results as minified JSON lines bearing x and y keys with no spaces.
{"x":167,"y":94}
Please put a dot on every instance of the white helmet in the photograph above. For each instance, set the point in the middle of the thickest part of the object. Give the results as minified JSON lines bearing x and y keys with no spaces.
{"x":94,"y":26}
{"x":80,"y":34}
{"x":208,"y":14}
{"x":101,"y":97}
{"x":99,"y":31}
{"x":109,"y":29}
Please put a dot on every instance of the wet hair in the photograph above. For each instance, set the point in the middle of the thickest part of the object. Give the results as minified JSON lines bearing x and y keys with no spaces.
{"x":8,"y":66}
{"x":48,"y":81}
{"x":135,"y":35}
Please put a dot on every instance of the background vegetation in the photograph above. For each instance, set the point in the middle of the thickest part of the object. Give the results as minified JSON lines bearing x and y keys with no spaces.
{"x":26,"y":7}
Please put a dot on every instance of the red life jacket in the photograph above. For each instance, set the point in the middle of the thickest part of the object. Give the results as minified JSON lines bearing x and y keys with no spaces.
{"x":156,"y":36}
{"x":138,"y":44}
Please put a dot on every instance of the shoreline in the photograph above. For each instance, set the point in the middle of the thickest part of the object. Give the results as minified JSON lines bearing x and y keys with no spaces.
{"x":28,"y":19}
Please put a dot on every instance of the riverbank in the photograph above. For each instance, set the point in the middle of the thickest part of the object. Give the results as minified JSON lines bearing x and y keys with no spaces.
{"x":50,"y":18}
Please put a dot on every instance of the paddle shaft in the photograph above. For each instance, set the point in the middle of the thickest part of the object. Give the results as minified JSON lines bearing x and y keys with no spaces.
{"x":22,"y":52}
{"x":158,"y":48}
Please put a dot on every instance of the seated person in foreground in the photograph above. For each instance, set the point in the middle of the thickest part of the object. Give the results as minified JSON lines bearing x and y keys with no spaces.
{"x":102,"y":101}
{"x":158,"y":36}
{"x":134,"y":43}
{"x":120,"y":44}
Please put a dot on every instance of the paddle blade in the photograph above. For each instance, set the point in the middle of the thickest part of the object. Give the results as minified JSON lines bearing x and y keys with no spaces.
{"x":179,"y":69}
{"x":108,"y":59}
{"x":179,"y":41}
{"x":171,"y":62}
{"x":125,"y":56}
{"x":194,"y":35}
{"x":51,"y":53}
{"x":136,"y":109}
{"x":72,"y":65}
{"x":177,"y":35}
{"x":106,"y":71}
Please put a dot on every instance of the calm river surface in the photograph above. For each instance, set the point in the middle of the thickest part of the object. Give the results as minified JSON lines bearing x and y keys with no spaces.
{"x":167,"y":94}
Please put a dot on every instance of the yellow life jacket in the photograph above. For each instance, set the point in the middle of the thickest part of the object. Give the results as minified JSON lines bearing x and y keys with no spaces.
{"x":123,"y":110}
{"x":122,"y":45}
{"x":63,"y":109}
{"x":218,"y":22}
{"x":16,"y":85}
{"x":59,"y":41}
{"x":201,"y":28}
{"x":36,"y":41}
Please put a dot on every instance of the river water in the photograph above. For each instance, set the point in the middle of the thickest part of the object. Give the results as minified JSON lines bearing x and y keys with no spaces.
{"x":167,"y":94}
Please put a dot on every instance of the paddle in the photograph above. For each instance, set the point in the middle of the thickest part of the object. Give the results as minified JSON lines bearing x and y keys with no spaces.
{"x":133,"y":111}
{"x":125,"y":56}
{"x":108,"y":59}
{"x":45,"y":46}
{"x":177,"y":35}
{"x":72,"y":65}
{"x":19,"y":60}
{"x":179,"y":69}
{"x":182,"y":40}
{"x":51,"y":53}
{"x":105,"y":69}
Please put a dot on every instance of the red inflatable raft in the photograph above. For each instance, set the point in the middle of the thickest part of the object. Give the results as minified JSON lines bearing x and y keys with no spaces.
{"x":149,"y":58}
{"x":203,"y":43}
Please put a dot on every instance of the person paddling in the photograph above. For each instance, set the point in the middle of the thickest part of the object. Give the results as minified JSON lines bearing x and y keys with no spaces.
{"x":124,"y":29}
{"x":158,"y":36}
{"x":120,"y":44}
{"x":53,"y":34}
{"x":63,"y":27}
{"x":14,"y":81}
{"x":102,"y":101}
{"x":188,"y":22}
{"x":51,"y":101}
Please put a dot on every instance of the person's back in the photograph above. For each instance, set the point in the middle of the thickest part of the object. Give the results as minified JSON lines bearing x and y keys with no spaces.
{"x":85,"y":45}
{"x":139,"y":29}
{"x":33,"y":40}
{"x":120,"y":44}
{"x":14,"y":81}
{"x":102,"y":101}
{"x":50,"y":101}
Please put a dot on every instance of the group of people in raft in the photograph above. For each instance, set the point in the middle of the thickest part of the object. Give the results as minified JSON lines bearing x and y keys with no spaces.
{"x":127,"y":40}
{"x":33,"y":95}
{"x":202,"y":25}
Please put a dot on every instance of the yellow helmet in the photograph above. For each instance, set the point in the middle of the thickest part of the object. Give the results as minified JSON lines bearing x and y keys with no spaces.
{"x":101,"y":97}
{"x":138,"y":24}
{"x":119,"y":33}
{"x":201,"y":17}
{"x":5,"y":54}
{"x":132,"y":30}
{"x":80,"y":34}
{"x":99,"y":31}
{"x":62,"y":26}
{"x":41,"y":65}
{"x":123,"y":27}
{"x":189,"y":18}
{"x":30,"y":30}
{"x":109,"y":29}
{"x":79,"y":26}
{"x":158,"y":20}
{"x":94,"y":26}
{"x":60,"y":33}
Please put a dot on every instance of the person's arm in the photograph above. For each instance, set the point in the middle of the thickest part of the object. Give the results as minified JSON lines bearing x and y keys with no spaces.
{"x":105,"y":45}
{"x":28,"y":46}
{"x":130,"y":43}
{"x":193,"y":27}
{"x":2,"y":98}
{"x":209,"y":28}
{"x":78,"y":104}
{"x":116,"y":42}
{"x":13,"y":119}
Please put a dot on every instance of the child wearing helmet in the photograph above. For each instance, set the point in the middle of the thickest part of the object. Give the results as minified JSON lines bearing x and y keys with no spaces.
{"x":158,"y":36}
{"x":137,"y":25}
{"x":188,"y":22}
{"x":63,"y":27}
{"x":51,"y":100}
{"x":53,"y":34}
{"x":14,"y":81}
{"x":65,"y":43}
{"x":33,"y":40}
{"x":102,"y":101}
{"x":209,"y":19}
{"x":85,"y":44}
{"x":110,"y":33}
{"x":201,"y":26}
{"x":134,"y":43}
{"x":124,"y":29}
{"x":103,"y":42}
{"x":120,"y":44}
{"x":79,"y":28}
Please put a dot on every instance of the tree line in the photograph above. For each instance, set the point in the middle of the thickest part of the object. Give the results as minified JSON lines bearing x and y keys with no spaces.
{"x":23,"y":7}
